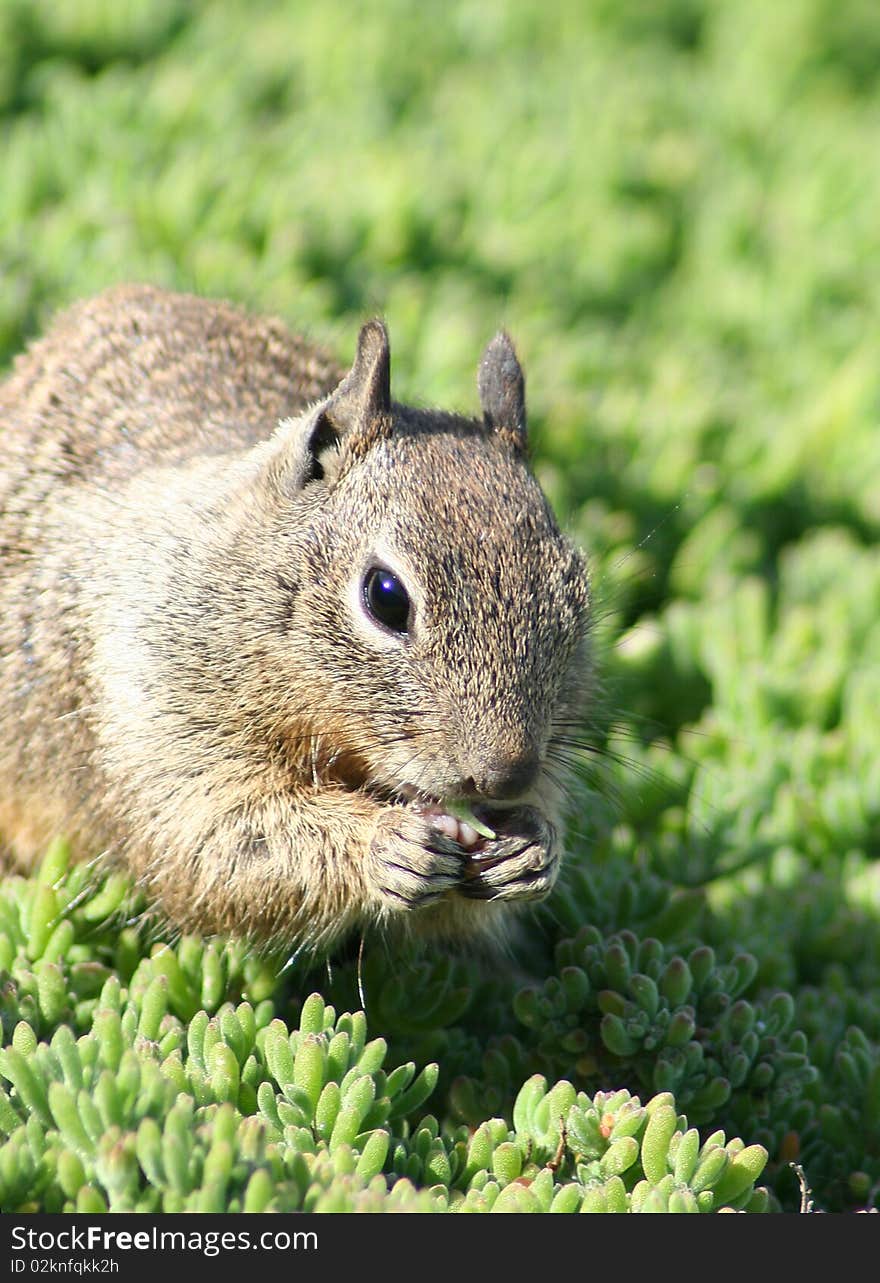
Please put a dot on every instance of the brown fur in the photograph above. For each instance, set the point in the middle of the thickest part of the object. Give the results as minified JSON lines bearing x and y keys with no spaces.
{"x":189,"y":497}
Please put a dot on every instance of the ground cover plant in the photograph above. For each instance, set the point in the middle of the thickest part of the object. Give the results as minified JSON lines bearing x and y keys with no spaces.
{"x":673,"y":210}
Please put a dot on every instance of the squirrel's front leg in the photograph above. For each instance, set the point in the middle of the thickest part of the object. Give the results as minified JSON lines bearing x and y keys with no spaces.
{"x":520,"y":863}
{"x":307,"y":867}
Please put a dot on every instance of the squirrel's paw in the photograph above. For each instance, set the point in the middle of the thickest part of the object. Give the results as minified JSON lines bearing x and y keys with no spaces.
{"x":413,"y":863}
{"x":521,"y":863}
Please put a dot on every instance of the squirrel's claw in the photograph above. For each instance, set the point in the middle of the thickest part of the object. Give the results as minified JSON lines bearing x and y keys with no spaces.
{"x":519,"y":865}
{"x":413,"y":863}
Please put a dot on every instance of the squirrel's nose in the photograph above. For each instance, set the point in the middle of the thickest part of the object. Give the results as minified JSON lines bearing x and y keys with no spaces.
{"x":503,"y":776}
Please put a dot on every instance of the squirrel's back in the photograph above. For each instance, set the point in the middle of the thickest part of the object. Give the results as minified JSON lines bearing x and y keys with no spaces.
{"x":134,"y":377}
{"x":141,"y":371}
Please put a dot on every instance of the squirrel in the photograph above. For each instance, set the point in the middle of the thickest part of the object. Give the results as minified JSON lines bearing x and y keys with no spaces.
{"x":301,"y":658}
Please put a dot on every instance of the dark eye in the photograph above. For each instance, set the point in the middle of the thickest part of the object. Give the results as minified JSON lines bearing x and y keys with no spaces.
{"x":386,"y":599}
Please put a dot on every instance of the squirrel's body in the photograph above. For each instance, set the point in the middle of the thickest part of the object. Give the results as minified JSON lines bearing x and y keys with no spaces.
{"x":257,"y":622}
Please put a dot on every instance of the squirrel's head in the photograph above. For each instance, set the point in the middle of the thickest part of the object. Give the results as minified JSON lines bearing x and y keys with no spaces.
{"x":432,"y":607}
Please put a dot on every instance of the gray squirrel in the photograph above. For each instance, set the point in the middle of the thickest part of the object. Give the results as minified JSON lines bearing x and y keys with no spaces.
{"x":296,"y":655}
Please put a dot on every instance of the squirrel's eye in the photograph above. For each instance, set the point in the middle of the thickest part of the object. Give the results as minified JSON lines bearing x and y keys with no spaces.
{"x":386,"y":600}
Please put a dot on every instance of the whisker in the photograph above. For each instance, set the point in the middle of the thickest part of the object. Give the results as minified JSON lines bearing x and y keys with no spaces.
{"x":360,"y":974}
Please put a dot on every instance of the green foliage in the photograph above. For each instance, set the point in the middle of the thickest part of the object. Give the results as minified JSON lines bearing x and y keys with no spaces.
{"x":182,"y":1090}
{"x":673,"y":208}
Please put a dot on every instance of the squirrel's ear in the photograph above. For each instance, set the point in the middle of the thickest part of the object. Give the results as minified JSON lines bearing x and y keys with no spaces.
{"x":365,"y":392}
{"x":502,"y":389}
{"x":357,"y":413}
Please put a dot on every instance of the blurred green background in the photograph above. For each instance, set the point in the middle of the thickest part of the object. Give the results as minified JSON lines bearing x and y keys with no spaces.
{"x":675,"y":210}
